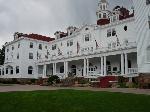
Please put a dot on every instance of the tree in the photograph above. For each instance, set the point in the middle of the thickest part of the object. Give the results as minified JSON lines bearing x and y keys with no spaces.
{"x":2,"y":55}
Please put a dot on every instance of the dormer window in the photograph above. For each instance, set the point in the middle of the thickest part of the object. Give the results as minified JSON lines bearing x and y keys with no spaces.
{"x":40,"y":46}
{"x":31,"y":45}
{"x":87,"y":37}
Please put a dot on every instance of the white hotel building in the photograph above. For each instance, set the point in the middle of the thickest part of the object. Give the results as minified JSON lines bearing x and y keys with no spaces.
{"x":119,"y":45}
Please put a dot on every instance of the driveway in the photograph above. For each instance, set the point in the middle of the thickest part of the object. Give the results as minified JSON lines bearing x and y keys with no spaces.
{"x":12,"y":88}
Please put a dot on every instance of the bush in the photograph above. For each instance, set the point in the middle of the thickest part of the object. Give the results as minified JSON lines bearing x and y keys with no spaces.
{"x":53,"y":80}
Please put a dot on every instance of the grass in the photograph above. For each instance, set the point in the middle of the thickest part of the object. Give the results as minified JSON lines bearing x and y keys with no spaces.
{"x":73,"y":101}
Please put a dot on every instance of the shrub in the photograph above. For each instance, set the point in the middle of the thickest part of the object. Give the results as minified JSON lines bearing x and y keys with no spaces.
{"x":53,"y":80}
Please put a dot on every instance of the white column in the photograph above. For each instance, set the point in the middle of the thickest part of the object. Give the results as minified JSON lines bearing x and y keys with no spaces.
{"x":66,"y":74}
{"x":54,"y":68}
{"x":84,"y":68}
{"x":102,"y":65}
{"x":87,"y":67}
{"x":64,"y":70}
{"x":122,"y":64}
{"x":105,"y":66}
{"x":126,"y":64}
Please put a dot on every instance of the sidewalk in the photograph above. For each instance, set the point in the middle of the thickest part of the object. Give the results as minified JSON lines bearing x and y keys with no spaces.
{"x":11,"y":88}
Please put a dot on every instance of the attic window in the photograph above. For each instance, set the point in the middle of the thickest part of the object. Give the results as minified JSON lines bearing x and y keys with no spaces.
{"x":86,"y":28}
{"x":125,"y":28}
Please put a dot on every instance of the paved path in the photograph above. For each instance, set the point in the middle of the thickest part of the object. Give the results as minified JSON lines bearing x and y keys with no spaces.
{"x":13,"y":88}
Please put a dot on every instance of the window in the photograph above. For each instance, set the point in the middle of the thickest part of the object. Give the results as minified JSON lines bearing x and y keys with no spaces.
{"x":149,"y":21}
{"x":3,"y":71}
{"x":11,"y":70}
{"x":45,"y":47}
{"x":87,"y":37}
{"x":18,"y":56}
{"x":17,"y":69}
{"x":147,"y":2}
{"x":31,"y":45}
{"x":103,"y":7}
{"x":30,"y":55}
{"x":125,"y":28}
{"x":40,"y":46}
{"x":7,"y":49}
{"x":109,"y":33}
{"x":114,"y":18}
{"x":30,"y":70}
{"x":109,"y":46}
{"x":104,"y":15}
{"x":6,"y":70}
{"x":100,"y":16}
{"x":113,"y":32}
{"x":148,"y":53}
{"x":54,"y":47}
{"x":0,"y":72}
{"x":12,"y":47}
{"x":62,"y":69}
{"x":70,"y":43}
{"x":18,"y":45}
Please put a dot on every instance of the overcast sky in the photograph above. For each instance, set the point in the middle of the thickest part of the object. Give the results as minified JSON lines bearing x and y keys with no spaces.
{"x":47,"y":16}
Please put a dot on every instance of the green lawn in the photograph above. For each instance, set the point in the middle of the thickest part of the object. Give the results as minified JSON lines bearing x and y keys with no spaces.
{"x":73,"y":101}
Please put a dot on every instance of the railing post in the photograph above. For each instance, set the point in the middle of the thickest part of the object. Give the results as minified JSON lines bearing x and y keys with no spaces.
{"x":126,"y":64}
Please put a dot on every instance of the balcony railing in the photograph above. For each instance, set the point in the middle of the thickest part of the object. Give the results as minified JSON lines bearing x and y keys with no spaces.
{"x":88,"y":52}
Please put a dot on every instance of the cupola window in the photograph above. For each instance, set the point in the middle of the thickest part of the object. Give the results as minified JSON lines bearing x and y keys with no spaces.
{"x":104,"y":15}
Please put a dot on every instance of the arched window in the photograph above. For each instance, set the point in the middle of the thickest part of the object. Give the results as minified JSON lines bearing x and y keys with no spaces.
{"x":30,"y":70}
{"x":148,"y":53}
{"x":17,"y":69}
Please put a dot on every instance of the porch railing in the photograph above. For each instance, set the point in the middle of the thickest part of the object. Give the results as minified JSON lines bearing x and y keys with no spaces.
{"x":132,"y":70}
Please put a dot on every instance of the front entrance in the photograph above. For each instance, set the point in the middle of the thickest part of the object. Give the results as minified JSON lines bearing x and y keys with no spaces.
{"x":74,"y":70}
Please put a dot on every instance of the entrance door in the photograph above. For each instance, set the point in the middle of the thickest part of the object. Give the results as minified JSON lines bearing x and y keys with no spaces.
{"x":73,"y":69}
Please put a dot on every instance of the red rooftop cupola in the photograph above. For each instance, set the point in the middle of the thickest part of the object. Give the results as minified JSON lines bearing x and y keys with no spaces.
{"x":102,"y":13}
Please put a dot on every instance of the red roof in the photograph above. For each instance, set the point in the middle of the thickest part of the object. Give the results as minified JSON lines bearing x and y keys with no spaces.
{"x":39,"y":37}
